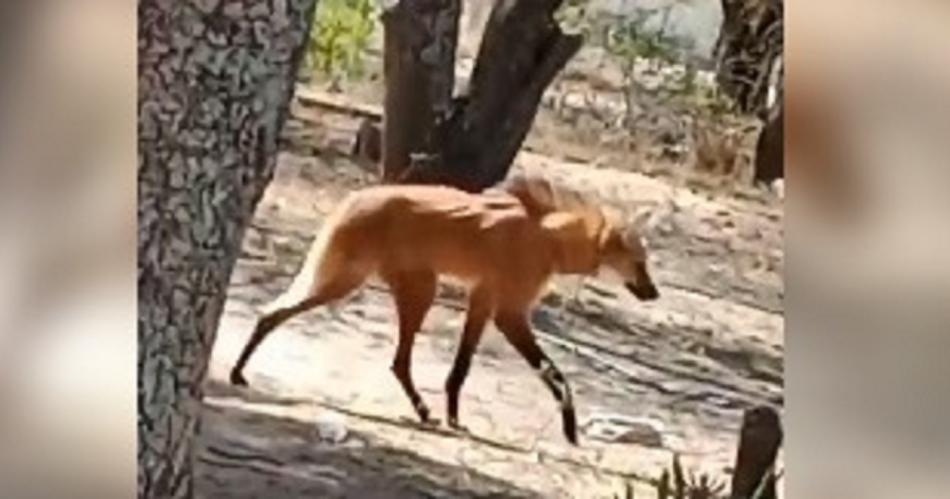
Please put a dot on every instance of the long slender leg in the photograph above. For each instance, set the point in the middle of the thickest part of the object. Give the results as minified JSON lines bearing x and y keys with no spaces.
{"x":287,"y":306}
{"x":414,"y":293}
{"x":517,"y":329}
{"x":480,"y":307}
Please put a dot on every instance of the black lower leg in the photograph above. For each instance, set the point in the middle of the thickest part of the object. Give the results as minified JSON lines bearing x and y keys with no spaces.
{"x":265,"y":325}
{"x":556,"y":382}
{"x":453,"y":386}
{"x":401,"y":368}
{"x":401,"y":371}
{"x":480,"y":306}
{"x":517,"y":330}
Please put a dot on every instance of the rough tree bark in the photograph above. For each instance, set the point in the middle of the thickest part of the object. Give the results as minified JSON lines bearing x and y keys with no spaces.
{"x":750,"y":41}
{"x":215,"y":79}
{"x":467,"y":141}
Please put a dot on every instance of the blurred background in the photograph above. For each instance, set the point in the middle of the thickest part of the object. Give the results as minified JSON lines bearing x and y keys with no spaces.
{"x":67,"y":247}
{"x":868,"y":280}
{"x":867,"y":238}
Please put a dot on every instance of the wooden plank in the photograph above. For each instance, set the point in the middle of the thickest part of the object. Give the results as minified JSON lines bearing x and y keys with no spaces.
{"x":337,"y":103}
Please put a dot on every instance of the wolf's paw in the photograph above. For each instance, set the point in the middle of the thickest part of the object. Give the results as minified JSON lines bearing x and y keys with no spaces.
{"x":238,"y":379}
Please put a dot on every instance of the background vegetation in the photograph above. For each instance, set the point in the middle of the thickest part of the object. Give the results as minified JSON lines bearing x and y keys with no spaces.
{"x":340,"y":36}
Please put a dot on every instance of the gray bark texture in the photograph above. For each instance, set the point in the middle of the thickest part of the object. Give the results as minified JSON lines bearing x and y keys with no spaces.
{"x":467,"y":141}
{"x":215,"y":79}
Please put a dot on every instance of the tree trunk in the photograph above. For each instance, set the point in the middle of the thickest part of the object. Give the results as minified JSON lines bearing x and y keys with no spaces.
{"x":759,"y":441}
{"x":215,"y":79}
{"x":750,"y":41}
{"x":367,"y":148}
{"x":419,"y":68}
{"x":471,"y":140}
{"x":770,"y":148}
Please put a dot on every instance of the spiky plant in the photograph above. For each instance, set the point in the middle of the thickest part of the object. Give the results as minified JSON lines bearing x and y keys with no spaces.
{"x":702,"y":486}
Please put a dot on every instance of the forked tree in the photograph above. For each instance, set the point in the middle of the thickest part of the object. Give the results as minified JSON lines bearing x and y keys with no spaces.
{"x":215,"y":78}
{"x":469,"y":140}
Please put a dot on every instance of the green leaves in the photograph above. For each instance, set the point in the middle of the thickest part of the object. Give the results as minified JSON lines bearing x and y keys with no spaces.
{"x":573,"y":16}
{"x":341,"y":34}
{"x":631,"y":39}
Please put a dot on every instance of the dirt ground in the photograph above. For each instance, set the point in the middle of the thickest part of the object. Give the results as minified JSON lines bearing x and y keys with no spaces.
{"x":324,"y":417}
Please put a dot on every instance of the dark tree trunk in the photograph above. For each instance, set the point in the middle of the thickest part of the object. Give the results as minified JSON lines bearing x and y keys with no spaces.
{"x":215,"y":79}
{"x":759,"y":441}
{"x":770,"y":148}
{"x":368,"y":145}
{"x":419,"y":68}
{"x":749,"y":44}
{"x":469,"y":141}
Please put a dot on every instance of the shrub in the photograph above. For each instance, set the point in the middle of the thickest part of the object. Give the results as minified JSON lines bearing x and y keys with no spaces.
{"x":341,"y":34}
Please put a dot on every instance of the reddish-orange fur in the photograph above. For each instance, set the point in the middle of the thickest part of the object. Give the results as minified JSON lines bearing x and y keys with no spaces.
{"x":505,"y":244}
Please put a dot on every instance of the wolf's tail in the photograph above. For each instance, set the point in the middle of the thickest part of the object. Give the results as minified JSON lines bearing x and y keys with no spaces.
{"x":319,"y":265}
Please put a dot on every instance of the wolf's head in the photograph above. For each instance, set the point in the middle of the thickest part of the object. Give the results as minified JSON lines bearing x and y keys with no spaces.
{"x":623,"y":252}
{"x":587,"y":236}
{"x":587,"y":241}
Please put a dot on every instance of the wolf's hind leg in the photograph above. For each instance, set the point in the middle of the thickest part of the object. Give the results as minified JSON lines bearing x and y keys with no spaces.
{"x":303,"y":295}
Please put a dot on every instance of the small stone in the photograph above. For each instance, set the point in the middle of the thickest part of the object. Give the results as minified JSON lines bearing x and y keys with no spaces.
{"x":331,"y":428}
{"x":619,"y":428}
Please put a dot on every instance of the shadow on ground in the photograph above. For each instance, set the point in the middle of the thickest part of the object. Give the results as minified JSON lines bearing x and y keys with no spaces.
{"x":247,"y":450}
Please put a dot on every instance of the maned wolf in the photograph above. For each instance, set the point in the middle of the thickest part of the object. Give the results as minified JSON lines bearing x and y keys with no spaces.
{"x":504,"y":243}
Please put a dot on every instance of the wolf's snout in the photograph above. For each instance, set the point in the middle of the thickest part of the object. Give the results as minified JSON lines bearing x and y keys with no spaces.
{"x":643,"y":293}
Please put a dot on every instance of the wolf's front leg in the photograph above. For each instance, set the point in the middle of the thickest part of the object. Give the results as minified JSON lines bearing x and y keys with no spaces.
{"x":517,"y":330}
